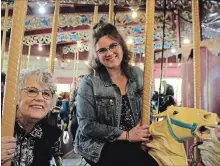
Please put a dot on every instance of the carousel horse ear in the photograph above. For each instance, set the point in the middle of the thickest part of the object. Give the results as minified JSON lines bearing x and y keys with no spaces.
{"x":164,"y":113}
{"x":161,"y":115}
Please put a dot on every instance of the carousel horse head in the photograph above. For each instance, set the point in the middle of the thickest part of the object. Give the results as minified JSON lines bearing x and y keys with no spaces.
{"x":177,"y":126}
{"x":184,"y":123}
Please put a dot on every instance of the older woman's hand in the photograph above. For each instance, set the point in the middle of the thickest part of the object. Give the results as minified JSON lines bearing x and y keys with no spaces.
{"x":8,"y":148}
{"x":139,"y":133}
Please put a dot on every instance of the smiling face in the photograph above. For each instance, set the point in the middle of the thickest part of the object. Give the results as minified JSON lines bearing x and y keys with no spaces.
{"x":113,"y":57}
{"x":35,"y":108}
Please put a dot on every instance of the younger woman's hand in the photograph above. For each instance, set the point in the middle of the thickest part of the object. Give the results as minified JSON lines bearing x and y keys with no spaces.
{"x":8,"y":146}
{"x":139,"y":133}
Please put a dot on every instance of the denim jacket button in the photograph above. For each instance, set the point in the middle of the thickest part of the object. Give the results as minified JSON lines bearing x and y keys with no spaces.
{"x":111,"y":101}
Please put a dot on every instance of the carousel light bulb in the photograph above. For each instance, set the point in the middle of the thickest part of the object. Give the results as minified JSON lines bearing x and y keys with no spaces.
{"x":55,"y":59}
{"x":42,"y":10}
{"x":86,"y":62}
{"x":130,"y":41}
{"x":78,"y":44}
{"x":132,"y":64}
{"x":68,"y":60}
{"x":186,"y":41}
{"x":40,"y":48}
{"x":134,"y":14}
{"x":47,"y":59}
{"x":38,"y":58}
{"x":173,"y":50}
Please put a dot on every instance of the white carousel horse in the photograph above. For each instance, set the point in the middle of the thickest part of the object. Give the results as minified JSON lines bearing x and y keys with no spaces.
{"x":210,"y":148}
{"x":178,"y":125}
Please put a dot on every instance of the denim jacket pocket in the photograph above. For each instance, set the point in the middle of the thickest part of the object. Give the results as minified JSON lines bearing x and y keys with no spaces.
{"x":106,"y":108}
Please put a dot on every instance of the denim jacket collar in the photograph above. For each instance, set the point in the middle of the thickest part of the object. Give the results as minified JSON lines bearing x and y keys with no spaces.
{"x":108,"y":81}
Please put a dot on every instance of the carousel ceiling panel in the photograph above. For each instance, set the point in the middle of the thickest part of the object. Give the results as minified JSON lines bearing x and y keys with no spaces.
{"x":76,"y":19}
{"x":159,"y":4}
{"x":129,"y":28}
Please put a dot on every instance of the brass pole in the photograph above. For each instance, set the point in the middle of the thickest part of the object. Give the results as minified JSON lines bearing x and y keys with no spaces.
{"x":77,"y":63}
{"x":74,"y":69}
{"x":96,"y":13}
{"x":207,"y":80}
{"x":149,"y":32}
{"x":54,"y":36}
{"x":29,"y":53}
{"x":196,"y":60}
{"x":4,"y":35}
{"x":14,"y":54}
{"x":111,"y":11}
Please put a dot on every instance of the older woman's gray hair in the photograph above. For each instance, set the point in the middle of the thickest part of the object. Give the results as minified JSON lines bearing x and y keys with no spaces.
{"x":44,"y":77}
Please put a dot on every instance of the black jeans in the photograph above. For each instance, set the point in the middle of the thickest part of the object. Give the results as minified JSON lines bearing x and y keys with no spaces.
{"x":125,"y":153}
{"x":73,"y":126}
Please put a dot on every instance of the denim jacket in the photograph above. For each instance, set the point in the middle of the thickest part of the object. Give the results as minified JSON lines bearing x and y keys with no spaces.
{"x":99,"y":104}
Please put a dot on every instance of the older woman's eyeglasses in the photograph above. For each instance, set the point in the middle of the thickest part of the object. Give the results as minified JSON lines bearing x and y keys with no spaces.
{"x":33,"y":92}
{"x":112,"y":47}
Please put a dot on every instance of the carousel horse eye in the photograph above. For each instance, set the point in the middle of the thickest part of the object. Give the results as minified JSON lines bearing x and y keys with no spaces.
{"x":175,"y":112}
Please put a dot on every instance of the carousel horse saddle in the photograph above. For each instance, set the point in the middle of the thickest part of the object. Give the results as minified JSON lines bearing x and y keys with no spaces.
{"x":177,"y":126}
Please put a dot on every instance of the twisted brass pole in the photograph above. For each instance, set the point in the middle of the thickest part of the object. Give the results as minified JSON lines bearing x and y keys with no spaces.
{"x":149,"y":32}
{"x":111,"y":11}
{"x":196,"y":59}
{"x":96,"y":13}
{"x":14,"y":54}
{"x":54,"y":36}
{"x":4,"y":35}
{"x":29,"y":53}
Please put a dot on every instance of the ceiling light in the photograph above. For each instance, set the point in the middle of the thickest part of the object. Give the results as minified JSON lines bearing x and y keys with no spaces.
{"x":42,"y":10}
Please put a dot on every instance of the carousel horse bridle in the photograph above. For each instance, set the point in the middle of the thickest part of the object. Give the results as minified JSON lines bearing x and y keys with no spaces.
{"x":175,"y":122}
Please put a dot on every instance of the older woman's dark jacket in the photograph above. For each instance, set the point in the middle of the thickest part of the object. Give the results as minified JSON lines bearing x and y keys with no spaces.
{"x":43,"y":147}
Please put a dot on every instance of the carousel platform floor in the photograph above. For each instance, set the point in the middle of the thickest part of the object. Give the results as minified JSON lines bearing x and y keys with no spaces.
{"x":71,"y":159}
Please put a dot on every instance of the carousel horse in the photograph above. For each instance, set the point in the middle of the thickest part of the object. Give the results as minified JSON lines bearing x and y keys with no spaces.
{"x":178,"y":125}
{"x":210,"y":148}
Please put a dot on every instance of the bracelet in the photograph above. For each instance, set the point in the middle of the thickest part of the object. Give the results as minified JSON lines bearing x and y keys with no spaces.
{"x":127,"y":136}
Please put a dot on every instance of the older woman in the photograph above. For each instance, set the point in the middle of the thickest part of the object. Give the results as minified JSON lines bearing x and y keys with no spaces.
{"x":34,"y":139}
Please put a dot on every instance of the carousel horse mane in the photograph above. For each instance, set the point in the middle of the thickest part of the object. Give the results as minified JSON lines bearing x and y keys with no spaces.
{"x":210,"y":148}
{"x":178,"y":125}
